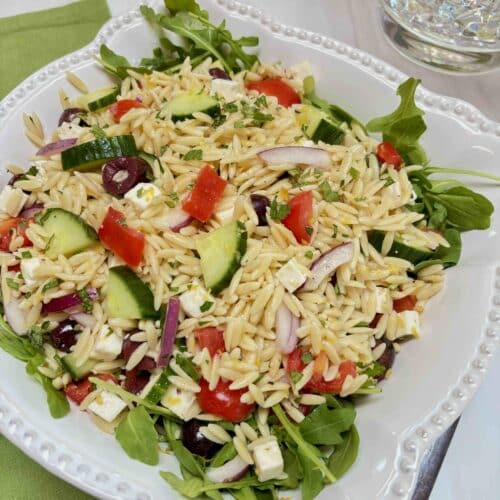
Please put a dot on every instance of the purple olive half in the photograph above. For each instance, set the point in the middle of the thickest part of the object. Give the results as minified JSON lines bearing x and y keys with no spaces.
{"x":64,"y":335}
{"x":387,"y":358}
{"x":69,"y":114}
{"x":260,"y":204}
{"x":122,"y":174}
{"x":196,"y":442}
{"x":219,"y":73}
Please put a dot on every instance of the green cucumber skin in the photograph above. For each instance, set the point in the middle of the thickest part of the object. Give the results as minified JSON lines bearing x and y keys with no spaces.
{"x":158,"y":390}
{"x":93,"y":154}
{"x":139,"y":293}
{"x":399,"y":249}
{"x":77,"y":372}
{"x":328,"y":133}
{"x":104,"y":101}
{"x":60,"y":217}
{"x":184,"y":106}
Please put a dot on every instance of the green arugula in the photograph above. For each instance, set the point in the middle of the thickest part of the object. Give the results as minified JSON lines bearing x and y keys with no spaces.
{"x":345,"y":453}
{"x":188,"y":366}
{"x":312,"y":482}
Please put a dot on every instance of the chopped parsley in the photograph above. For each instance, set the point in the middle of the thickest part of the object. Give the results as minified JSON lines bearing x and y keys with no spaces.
{"x":306,"y":358}
{"x":278,"y":210}
{"x":206,"y":306}
{"x":230,"y":107}
{"x":309,"y":230}
{"x":327,"y":192}
{"x":374,"y":370}
{"x":309,"y":254}
{"x":140,"y":192}
{"x":86,"y":300}
{"x":26,"y":254}
{"x":194,"y":154}
{"x":173,"y":198}
{"x":53,"y":283}
{"x":174,"y":264}
{"x":239,"y":124}
{"x":12,"y":284}
{"x":354,"y":173}
{"x":219,"y":120}
{"x":261,"y":101}
{"x":257,"y":117}
{"x":295,"y":376}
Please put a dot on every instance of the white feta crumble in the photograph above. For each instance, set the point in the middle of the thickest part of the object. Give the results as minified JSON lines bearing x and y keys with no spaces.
{"x":12,"y":200}
{"x":229,"y":90}
{"x":108,"y":345}
{"x":292,"y":275}
{"x":196,"y":301}
{"x":29,"y":268}
{"x":224,"y":217}
{"x":383,"y":302}
{"x":268,"y":460}
{"x":182,"y":403}
{"x":408,"y":323}
{"x":143,"y":194}
{"x":107,"y":406}
{"x":70,"y":130}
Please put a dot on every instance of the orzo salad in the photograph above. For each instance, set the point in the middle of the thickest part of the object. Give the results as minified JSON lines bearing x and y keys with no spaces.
{"x":214,"y":262}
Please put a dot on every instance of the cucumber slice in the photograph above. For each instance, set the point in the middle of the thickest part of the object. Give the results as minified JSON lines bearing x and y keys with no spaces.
{"x":184,"y":106}
{"x":221,"y":253}
{"x":93,"y":154}
{"x":160,"y":386}
{"x":399,"y":249}
{"x":69,"y":233}
{"x":128,"y":297}
{"x":77,"y":372}
{"x":318,"y":127}
{"x":98,"y":99}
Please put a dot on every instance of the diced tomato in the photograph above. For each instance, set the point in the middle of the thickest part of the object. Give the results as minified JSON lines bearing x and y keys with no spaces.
{"x":123,"y":241}
{"x":299,"y":219}
{"x":119,"y":108}
{"x":375,"y":321}
{"x":386,"y":153}
{"x":285,"y":94}
{"x":294,"y":362}
{"x":223,"y":402}
{"x":212,"y":338}
{"x":404,"y":304}
{"x":200,"y":203}
{"x":107,"y":377}
{"x":7,"y":228}
{"x":78,"y":391}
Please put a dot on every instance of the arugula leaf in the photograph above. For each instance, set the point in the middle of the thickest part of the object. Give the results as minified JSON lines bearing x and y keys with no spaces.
{"x":187,"y":365}
{"x":138,"y":437}
{"x":292,"y":468}
{"x":451,"y":255}
{"x":374,"y":369}
{"x":226,"y":453}
{"x":18,"y":347}
{"x":112,"y":62}
{"x":245,"y":493}
{"x":438,"y":218}
{"x":345,"y":453}
{"x":278,"y":211}
{"x":186,"y":459}
{"x":175,"y":6}
{"x":404,"y":126}
{"x":192,"y":488}
{"x":312,"y":483}
{"x":323,"y":426}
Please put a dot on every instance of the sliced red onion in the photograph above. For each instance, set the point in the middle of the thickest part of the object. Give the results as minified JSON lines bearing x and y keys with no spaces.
{"x":84,"y":319}
{"x":16,"y":317}
{"x":231,"y":471}
{"x":286,"y":329}
{"x":218,"y":73}
{"x":56,"y":147}
{"x":32,"y":210}
{"x":169,"y":331}
{"x":315,"y":157}
{"x":326,"y":264}
{"x":68,"y":302}
{"x":174,"y":220}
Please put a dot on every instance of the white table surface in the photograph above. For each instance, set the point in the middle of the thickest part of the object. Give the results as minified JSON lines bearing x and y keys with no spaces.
{"x":471,"y":468}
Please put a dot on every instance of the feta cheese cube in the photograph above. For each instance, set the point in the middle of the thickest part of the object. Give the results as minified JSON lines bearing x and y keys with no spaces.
{"x":408,"y":323}
{"x":292,"y":275}
{"x":229,"y":90}
{"x":29,"y":269}
{"x":195,"y":299}
{"x":182,"y":403}
{"x":107,"y":406}
{"x":143,"y":194}
{"x":108,"y":345}
{"x":69,"y":130}
{"x":12,"y":200}
{"x":268,"y":460}
{"x":383,"y":301}
{"x":224,"y":217}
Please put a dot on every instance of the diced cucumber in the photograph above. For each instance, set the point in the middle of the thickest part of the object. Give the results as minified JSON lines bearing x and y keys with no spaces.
{"x":318,"y":127}
{"x":98,"y":99}
{"x":399,"y":249}
{"x":128,"y":297}
{"x":184,"y":106}
{"x":93,"y":154}
{"x":69,"y":233}
{"x":221,"y":252}
{"x":160,"y":386}
{"x":69,"y":362}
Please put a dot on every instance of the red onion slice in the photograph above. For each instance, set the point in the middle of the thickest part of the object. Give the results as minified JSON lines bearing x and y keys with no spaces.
{"x":16,"y":317}
{"x":169,"y":331}
{"x":68,"y":302}
{"x":32,"y":210}
{"x":315,"y":157}
{"x":286,"y":329}
{"x":174,"y":220}
{"x":326,"y":264}
{"x":84,"y":319}
{"x":231,"y":471}
{"x":56,"y":147}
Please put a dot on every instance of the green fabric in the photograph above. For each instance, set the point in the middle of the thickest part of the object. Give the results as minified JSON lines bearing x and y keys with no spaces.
{"x":28,"y":42}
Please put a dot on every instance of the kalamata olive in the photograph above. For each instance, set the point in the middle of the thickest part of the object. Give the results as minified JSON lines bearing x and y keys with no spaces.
{"x":69,"y":114}
{"x":196,"y":442}
{"x":14,"y":179}
{"x":122,"y":174}
{"x":136,"y":380}
{"x":260,"y":204}
{"x":147,"y":364}
{"x":387,"y":358}
{"x":219,"y":73}
{"x":64,"y":335}
{"x":129,"y":346}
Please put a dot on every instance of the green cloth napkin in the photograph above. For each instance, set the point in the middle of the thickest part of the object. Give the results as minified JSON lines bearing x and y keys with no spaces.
{"x":28,"y":42}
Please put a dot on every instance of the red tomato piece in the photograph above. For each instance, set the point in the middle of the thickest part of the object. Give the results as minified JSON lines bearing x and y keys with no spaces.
{"x":107,"y":377}
{"x":7,"y":228}
{"x":123,"y":241}
{"x":386,"y":153}
{"x":404,"y":304}
{"x":78,"y":391}
{"x":285,"y":94}
{"x":119,"y":108}
{"x":223,"y":402}
{"x":294,"y":362}
{"x":375,"y":320}
{"x":212,"y":338}
{"x":200,"y":203}
{"x":299,"y":219}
